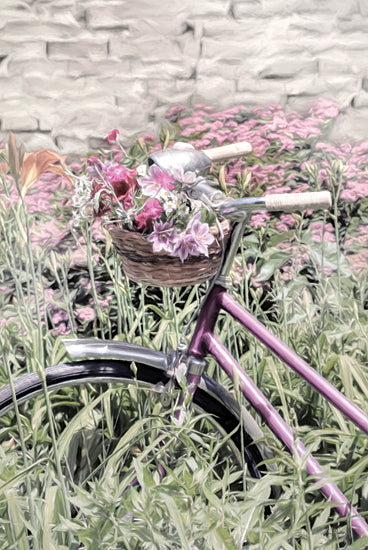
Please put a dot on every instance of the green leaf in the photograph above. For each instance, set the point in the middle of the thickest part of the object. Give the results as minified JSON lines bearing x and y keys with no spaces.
{"x":177,"y":520}
{"x":275,"y":261}
{"x":280,"y":238}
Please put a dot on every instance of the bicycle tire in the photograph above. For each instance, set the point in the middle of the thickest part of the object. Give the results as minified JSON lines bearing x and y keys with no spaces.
{"x":211,"y":398}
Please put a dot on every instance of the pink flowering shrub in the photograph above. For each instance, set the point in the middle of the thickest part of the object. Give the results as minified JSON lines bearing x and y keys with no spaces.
{"x":290,"y":154}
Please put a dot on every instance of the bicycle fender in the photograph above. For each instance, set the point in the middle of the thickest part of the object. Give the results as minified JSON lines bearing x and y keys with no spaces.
{"x":92,"y":348}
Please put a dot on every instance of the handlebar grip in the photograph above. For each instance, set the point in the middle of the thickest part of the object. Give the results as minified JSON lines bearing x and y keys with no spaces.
{"x":288,"y":202}
{"x":228,"y":151}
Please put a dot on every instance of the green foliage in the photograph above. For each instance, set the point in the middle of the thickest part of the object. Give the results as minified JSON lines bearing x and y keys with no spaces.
{"x":303,"y":288}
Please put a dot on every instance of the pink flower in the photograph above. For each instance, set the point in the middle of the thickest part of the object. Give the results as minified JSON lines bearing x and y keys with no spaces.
{"x":259,"y":220}
{"x":85,"y":313}
{"x":325,"y":108}
{"x":156,"y":181}
{"x":117,"y":173}
{"x":111,"y":136}
{"x":150,"y":212}
{"x":162,"y":236}
{"x":195,"y":240}
{"x":93,"y":159}
{"x":185,"y":245}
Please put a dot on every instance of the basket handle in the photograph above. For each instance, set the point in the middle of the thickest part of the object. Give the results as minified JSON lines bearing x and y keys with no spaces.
{"x":228,"y":151}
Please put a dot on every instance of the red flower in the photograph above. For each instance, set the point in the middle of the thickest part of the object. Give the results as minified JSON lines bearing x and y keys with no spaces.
{"x":111,"y":136}
{"x":150,"y":212}
{"x":123,"y":182}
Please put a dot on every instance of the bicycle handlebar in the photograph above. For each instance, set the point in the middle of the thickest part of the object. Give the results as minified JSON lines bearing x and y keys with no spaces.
{"x":228,"y":151}
{"x":236,"y":209}
{"x":284,"y":202}
{"x":288,"y":202}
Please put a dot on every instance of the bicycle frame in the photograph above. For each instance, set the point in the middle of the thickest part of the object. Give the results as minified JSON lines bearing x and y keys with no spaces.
{"x":205,"y":342}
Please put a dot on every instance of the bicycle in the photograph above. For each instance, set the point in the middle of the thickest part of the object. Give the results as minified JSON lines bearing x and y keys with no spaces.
{"x":170,"y":385}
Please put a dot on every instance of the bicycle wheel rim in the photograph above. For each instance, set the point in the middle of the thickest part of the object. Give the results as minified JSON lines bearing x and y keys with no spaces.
{"x":29,"y":389}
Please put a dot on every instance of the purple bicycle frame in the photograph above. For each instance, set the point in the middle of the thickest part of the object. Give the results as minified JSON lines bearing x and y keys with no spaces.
{"x":205,"y":342}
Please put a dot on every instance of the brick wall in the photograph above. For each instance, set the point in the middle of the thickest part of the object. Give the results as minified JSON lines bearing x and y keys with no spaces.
{"x":70,"y":70}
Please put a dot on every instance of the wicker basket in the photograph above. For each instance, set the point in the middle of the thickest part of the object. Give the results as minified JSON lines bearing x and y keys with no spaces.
{"x":142,"y":265}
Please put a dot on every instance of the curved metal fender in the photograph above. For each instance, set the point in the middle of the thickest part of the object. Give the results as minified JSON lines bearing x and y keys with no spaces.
{"x":113,"y":349}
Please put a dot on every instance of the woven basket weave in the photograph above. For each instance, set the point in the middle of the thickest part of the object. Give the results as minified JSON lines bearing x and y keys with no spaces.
{"x":142,"y":265}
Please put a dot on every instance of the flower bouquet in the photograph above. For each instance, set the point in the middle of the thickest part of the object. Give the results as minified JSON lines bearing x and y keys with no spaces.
{"x":163,"y":236}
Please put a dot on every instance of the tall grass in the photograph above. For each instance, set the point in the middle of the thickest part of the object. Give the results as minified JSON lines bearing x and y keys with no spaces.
{"x":303,"y":288}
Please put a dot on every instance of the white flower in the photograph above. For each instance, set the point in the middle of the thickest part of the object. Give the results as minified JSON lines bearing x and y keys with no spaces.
{"x":81,"y":199}
{"x":142,"y":170}
{"x":171,"y":200}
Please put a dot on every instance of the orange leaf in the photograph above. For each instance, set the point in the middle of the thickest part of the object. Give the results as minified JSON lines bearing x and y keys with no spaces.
{"x":35,"y":164}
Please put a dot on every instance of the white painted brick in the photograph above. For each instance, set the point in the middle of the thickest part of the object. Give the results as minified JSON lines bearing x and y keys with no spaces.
{"x":213,"y":91}
{"x":363,"y":7}
{"x":311,"y":23}
{"x":21,"y":122}
{"x":48,"y":119}
{"x":163,"y":24}
{"x":264,"y":8}
{"x":18,"y":66}
{"x":251,"y":100}
{"x":230,"y":31}
{"x":91,"y":48}
{"x":163,"y":92}
{"x":351,"y":126}
{"x":303,"y":101}
{"x":190,"y":47}
{"x":110,"y":68}
{"x":249,"y":8}
{"x":308,"y":42}
{"x":208,"y":8}
{"x":218,"y":28}
{"x":336,"y":62}
{"x":305,"y":85}
{"x":53,"y":86}
{"x":226,"y":49}
{"x":283,"y":67}
{"x":127,"y":87}
{"x":139,"y":9}
{"x":47,"y":30}
{"x":137,"y":104}
{"x":344,"y":83}
{"x":353,"y":23}
{"x":23,"y":49}
{"x":11,"y":88}
{"x":34,"y":141}
{"x":147,"y":48}
{"x":128,"y":65}
{"x":13,"y":5}
{"x":164,"y":69}
{"x":106,"y":16}
{"x":332,"y":7}
{"x":361,"y":100}
{"x":70,"y":145}
{"x":355,"y":40}
{"x":96,"y":119}
{"x":229,"y":70}
{"x":317,"y":85}
{"x":251,"y":85}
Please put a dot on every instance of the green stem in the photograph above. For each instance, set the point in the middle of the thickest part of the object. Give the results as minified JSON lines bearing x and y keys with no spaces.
{"x":21,"y":438}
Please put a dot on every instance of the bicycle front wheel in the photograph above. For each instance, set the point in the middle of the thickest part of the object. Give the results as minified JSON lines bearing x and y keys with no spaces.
{"x":102,"y":433}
